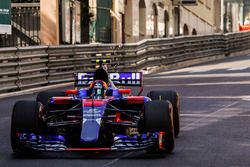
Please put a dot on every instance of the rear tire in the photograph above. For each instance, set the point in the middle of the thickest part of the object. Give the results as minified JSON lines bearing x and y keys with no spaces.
{"x":44,"y":97}
{"x":173,"y":97}
{"x":24,"y":119}
{"x":157,"y":118}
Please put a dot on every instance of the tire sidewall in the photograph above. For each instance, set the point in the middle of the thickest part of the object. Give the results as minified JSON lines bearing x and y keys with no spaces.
{"x":172,"y":97}
{"x":25,"y":118}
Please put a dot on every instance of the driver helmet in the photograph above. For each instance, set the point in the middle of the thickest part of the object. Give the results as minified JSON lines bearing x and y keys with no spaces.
{"x":99,"y":89}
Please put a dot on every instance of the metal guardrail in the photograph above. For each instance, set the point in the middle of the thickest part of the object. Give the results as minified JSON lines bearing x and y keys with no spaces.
{"x":28,"y":67}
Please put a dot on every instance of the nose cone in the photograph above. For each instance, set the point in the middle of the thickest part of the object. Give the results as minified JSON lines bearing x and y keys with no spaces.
{"x":90,"y":131}
{"x":92,"y":113}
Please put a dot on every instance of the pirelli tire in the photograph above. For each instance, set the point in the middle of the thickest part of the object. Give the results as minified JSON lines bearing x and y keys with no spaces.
{"x":158,"y":118}
{"x":25,"y":118}
{"x":44,"y":97}
{"x":174,"y":98}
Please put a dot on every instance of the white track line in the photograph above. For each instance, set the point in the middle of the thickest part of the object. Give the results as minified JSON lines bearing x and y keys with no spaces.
{"x":214,"y":116}
{"x":115,"y":160}
{"x":200,"y":84}
{"x":111,"y":162}
{"x":208,"y":115}
{"x":199,"y":71}
{"x":237,"y":68}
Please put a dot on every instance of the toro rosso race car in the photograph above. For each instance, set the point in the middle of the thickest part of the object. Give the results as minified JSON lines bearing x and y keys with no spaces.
{"x":97,"y":116}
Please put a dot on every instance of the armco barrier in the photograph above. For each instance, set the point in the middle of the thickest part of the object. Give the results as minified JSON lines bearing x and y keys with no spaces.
{"x":28,"y":67}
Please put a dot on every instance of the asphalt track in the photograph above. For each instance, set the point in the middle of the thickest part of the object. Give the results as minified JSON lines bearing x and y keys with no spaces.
{"x":215,"y":123}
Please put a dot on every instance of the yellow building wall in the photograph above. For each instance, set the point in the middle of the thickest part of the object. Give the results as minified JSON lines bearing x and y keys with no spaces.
{"x":49,"y":22}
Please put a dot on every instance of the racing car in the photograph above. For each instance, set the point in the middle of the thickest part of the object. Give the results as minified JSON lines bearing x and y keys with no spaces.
{"x":99,"y":114}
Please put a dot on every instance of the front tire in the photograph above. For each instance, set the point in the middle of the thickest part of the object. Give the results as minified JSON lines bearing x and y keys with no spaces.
{"x":24,"y":119}
{"x":173,"y":97}
{"x":158,"y":118}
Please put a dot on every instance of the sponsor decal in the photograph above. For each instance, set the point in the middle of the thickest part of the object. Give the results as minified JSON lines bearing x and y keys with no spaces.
{"x":133,"y":78}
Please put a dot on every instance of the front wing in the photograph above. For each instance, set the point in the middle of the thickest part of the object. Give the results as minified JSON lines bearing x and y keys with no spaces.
{"x":57,"y":143}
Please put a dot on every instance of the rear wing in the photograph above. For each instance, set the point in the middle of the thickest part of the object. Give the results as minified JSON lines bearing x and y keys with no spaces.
{"x":119,"y":79}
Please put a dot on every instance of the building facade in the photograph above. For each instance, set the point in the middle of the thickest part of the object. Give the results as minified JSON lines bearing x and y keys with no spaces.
{"x":202,"y":18}
{"x":148,"y":19}
{"x":165,"y":18}
{"x":135,"y":20}
{"x":125,"y":21}
{"x":236,"y":14}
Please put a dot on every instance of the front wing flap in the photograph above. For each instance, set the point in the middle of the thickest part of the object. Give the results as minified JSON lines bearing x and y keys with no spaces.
{"x":57,"y":143}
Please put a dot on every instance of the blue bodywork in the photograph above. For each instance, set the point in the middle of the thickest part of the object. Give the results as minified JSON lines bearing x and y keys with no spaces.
{"x":91,"y":123}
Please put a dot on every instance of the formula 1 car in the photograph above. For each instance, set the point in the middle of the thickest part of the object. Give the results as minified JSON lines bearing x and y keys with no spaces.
{"x":99,"y":117}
